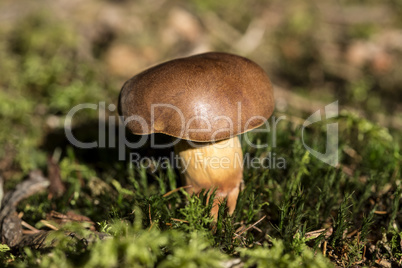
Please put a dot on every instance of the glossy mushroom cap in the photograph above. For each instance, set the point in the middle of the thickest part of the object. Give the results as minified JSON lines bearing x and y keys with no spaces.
{"x":206,"y":97}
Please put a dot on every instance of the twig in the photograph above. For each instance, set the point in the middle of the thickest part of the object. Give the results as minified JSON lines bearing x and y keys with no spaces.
{"x":149,"y":212}
{"x":314,"y":234}
{"x":380,"y":212}
{"x":150,"y":227}
{"x":258,"y":229}
{"x":364,"y":253}
{"x":28,"y":226}
{"x":176,"y":190}
{"x":240,"y":238}
{"x":251,"y":226}
{"x":173,"y":219}
{"x":351,"y":234}
{"x":29,"y":232}
{"x":49,"y":225}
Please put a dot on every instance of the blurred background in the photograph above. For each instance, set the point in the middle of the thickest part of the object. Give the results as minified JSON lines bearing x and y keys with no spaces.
{"x":55,"y":54}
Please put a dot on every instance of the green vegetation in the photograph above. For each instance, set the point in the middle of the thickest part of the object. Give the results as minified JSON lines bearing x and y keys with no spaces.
{"x":46,"y":71}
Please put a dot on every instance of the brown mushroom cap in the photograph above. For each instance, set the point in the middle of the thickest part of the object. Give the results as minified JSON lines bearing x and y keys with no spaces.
{"x":203,"y":98}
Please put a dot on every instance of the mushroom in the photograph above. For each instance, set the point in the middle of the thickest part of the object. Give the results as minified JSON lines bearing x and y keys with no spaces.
{"x":204,"y":101}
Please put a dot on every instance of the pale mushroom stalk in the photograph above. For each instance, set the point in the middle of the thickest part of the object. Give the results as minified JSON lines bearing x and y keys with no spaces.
{"x":214,"y":166}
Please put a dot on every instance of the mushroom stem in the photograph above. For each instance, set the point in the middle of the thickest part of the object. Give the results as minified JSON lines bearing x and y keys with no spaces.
{"x":213,"y":165}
